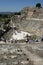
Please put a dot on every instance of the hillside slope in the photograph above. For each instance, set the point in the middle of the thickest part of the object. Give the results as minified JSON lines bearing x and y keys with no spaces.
{"x":31,"y":20}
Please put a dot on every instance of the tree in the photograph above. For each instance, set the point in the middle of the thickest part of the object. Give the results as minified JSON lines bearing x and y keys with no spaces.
{"x":38,"y":5}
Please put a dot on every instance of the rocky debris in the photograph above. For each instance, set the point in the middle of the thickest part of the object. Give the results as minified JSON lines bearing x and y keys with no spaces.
{"x":12,"y":54}
{"x":2,"y":42}
{"x":24,"y":62}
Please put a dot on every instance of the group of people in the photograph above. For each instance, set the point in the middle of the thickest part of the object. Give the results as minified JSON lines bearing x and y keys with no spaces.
{"x":28,"y":39}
